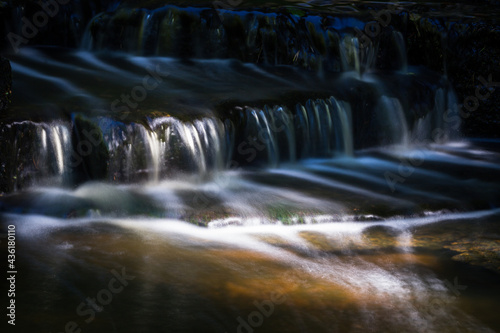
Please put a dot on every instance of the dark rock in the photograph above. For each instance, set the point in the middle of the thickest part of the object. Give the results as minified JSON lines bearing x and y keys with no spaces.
{"x":90,"y":156}
{"x":5,"y":83}
{"x":382,"y":235}
{"x":65,"y":25}
{"x":466,"y":50}
{"x":18,"y":144}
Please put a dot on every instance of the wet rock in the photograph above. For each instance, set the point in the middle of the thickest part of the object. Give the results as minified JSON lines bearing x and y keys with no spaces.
{"x":90,"y":156}
{"x":65,"y":24}
{"x":466,"y":50}
{"x":477,"y":250}
{"x":469,"y":245}
{"x":19,"y":167}
{"x":5,"y":84}
{"x":380,"y":237}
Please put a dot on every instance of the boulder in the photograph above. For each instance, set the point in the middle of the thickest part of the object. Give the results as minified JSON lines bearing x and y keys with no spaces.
{"x":90,"y":156}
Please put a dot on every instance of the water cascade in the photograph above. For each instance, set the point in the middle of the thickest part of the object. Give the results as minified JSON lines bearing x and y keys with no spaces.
{"x":295,"y":168}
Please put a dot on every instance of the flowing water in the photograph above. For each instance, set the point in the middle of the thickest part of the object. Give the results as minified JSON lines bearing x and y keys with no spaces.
{"x":159,"y":188}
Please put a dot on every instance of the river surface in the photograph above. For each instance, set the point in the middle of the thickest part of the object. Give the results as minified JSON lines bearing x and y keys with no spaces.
{"x":152,"y":191}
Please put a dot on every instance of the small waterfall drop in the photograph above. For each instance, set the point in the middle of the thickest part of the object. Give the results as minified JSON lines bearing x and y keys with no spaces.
{"x":392,"y":117}
{"x":165,"y":146}
{"x":401,"y":50}
{"x":39,"y":154}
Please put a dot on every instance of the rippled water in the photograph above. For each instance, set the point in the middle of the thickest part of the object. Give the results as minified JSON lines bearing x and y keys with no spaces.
{"x":357,"y":257}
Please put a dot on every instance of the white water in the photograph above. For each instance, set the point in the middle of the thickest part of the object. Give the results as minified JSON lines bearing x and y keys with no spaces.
{"x":417,"y":300}
{"x":49,"y":154}
{"x":158,"y":148}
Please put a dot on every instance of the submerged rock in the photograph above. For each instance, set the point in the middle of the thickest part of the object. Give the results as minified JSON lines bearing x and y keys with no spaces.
{"x":478,"y":250}
{"x":467,"y":243}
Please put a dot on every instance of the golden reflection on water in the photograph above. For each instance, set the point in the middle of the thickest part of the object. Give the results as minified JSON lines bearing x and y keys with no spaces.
{"x":361,"y":281}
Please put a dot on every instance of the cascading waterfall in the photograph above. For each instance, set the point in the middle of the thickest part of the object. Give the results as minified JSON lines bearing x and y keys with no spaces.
{"x":165,"y":146}
{"x":317,"y":44}
{"x":40,"y":153}
{"x":267,"y":132}
{"x":57,"y":136}
{"x":325,"y":128}
{"x":204,"y":169}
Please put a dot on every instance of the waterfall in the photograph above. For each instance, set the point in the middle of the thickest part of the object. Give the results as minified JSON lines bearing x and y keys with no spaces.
{"x":247,"y":166}
{"x":350,"y":55}
{"x":39,"y":153}
{"x":154,"y":152}
{"x":319,"y":128}
{"x":345,"y":117}
{"x":318,"y":45}
{"x":166,"y":145}
{"x":392,"y":118}
{"x":327,"y":128}
{"x":401,"y":51}
{"x":204,"y":115}
{"x":162,"y":147}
